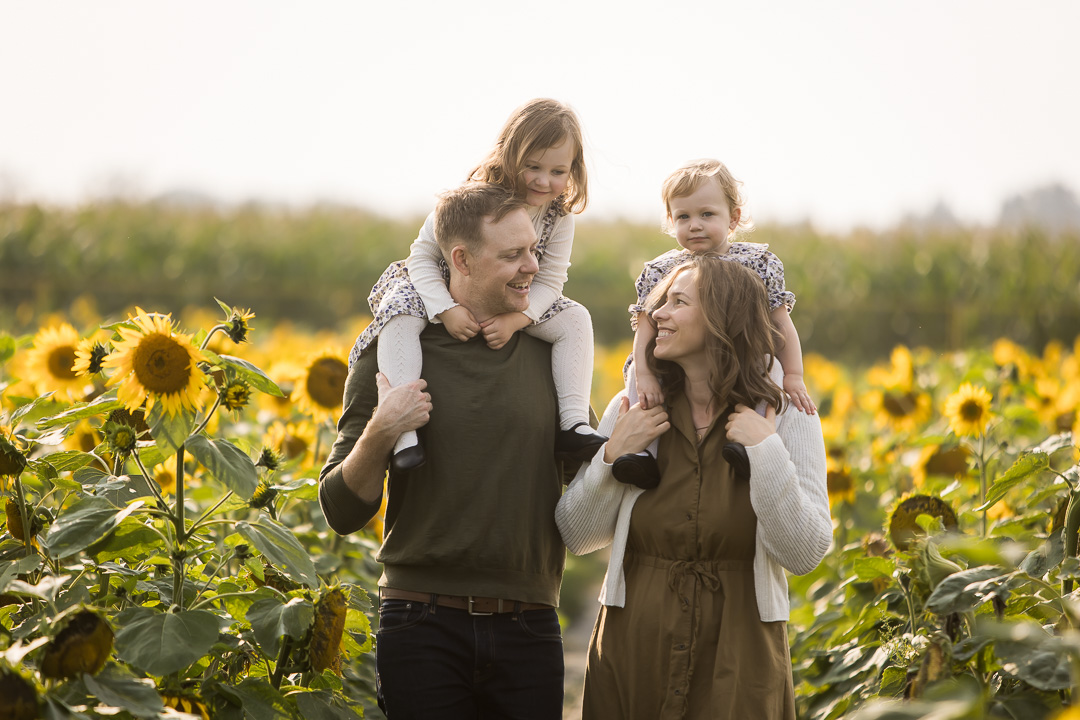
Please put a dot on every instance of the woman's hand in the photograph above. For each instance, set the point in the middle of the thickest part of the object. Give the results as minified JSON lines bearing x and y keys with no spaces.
{"x":499,"y":329}
{"x":459,"y":322}
{"x":648,"y":390}
{"x":747,"y":427}
{"x":635,"y":429}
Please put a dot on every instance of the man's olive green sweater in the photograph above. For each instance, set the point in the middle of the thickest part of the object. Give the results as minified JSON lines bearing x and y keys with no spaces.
{"x":478,"y":518}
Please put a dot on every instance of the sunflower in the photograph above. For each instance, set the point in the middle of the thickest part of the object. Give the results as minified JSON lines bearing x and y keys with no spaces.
{"x":903,"y":519}
{"x":968,"y":410}
{"x":320,"y":390}
{"x":165,"y":476}
{"x":238,"y":325}
{"x":50,"y":362}
{"x":840,"y":482}
{"x":949,"y":461}
{"x":156,"y":364}
{"x":90,"y":357}
{"x":901,"y":410}
{"x":235,"y":395}
{"x":18,"y":697}
{"x":899,"y":374}
{"x":327,"y":631}
{"x":291,"y":441}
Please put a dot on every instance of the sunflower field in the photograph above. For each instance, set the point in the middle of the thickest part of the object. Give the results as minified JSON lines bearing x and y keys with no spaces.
{"x":163,"y":554}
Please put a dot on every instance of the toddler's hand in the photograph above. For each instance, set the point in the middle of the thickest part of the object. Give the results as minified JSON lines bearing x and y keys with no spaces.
{"x":648,"y":391}
{"x":459,"y":322}
{"x":796,"y":390}
{"x":499,"y":329}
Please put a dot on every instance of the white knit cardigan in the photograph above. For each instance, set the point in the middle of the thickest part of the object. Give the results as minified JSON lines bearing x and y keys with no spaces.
{"x":787,"y":490}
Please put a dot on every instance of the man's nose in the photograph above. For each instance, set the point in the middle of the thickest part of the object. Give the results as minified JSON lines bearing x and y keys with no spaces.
{"x":530,"y":265}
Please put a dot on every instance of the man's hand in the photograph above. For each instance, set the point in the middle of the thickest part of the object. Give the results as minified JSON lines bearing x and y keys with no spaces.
{"x":459,"y":322}
{"x":499,"y":329}
{"x":635,"y":429}
{"x":796,"y":390}
{"x":747,"y":427}
{"x":401,"y":408}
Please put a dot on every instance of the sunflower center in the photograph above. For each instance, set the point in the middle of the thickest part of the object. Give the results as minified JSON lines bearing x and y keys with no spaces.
{"x":161,"y":364}
{"x":971,"y":411}
{"x":899,"y":405}
{"x":326,"y":381}
{"x":60,"y":361}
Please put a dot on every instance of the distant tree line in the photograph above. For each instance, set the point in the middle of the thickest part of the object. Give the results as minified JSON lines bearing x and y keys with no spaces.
{"x":859,"y":294}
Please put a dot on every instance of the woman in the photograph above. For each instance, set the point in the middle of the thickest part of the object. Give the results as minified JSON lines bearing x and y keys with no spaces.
{"x":695,"y":605}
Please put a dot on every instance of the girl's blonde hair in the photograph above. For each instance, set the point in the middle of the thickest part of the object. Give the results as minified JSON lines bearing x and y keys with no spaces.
{"x":741,"y":341}
{"x":533,"y":128}
{"x":687,"y":179}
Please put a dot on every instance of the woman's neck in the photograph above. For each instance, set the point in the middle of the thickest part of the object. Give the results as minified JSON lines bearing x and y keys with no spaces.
{"x":700,"y":396}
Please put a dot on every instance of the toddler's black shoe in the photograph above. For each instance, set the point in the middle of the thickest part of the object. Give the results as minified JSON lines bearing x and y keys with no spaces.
{"x":736,"y":457}
{"x":639,"y":470}
{"x":573,"y":446}
{"x":409,"y":458}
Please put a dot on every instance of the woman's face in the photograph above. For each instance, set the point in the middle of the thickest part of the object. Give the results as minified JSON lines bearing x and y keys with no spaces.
{"x":680,"y":323}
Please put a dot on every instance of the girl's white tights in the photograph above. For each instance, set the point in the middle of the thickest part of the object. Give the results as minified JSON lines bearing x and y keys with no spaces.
{"x":571,"y":336}
{"x":400,"y":359}
{"x":631,"y":392}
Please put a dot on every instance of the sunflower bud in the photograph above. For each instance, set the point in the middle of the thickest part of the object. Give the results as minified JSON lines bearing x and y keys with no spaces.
{"x":269,"y":459}
{"x":82,"y":646}
{"x":263,"y":496}
{"x":327,"y":631}
{"x":235,"y":395}
{"x":18,"y":698}
{"x":12,"y":462}
{"x":121,"y":437}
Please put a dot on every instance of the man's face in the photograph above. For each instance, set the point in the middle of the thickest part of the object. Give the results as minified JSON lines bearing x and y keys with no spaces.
{"x":502,"y":270}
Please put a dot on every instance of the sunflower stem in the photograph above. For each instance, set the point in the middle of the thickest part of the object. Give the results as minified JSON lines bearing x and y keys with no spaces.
{"x":181,"y":535}
{"x":195,"y":525}
{"x":21,"y":501}
{"x":213,"y":331}
{"x":279,"y":667}
{"x":982,"y":477}
{"x":210,"y":414}
{"x":150,"y":482}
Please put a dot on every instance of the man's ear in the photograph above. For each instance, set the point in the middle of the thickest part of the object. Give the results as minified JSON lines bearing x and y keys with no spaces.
{"x":459,"y":258}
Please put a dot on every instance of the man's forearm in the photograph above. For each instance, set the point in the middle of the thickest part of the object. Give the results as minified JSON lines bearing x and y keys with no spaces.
{"x":364,"y":469}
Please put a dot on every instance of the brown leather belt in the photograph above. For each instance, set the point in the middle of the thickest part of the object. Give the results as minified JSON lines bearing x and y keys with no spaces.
{"x":474,"y":605}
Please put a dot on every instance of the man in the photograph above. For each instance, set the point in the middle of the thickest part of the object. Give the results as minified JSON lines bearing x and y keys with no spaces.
{"x":472,"y":558}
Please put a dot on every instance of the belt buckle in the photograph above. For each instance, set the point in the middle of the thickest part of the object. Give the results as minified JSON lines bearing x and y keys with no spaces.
{"x":473,"y":612}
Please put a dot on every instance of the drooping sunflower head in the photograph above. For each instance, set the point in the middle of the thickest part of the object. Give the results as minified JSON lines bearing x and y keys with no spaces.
{"x":82,"y":646}
{"x":327,"y":630}
{"x":269,"y":458}
{"x":18,"y":696}
{"x":90,"y":357}
{"x":12,"y":460}
{"x":155,"y":363}
{"x":968,"y":410}
{"x":51,"y":361}
{"x":904,"y":527}
{"x":264,"y":495}
{"x":320,"y":390}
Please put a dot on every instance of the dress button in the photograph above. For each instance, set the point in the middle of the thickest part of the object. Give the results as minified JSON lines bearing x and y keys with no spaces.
{"x":678,"y":692}
{"x":680,"y":646}
{"x":689,"y":516}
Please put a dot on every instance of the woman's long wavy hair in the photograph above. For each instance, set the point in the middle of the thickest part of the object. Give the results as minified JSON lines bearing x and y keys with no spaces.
{"x":741,"y":340}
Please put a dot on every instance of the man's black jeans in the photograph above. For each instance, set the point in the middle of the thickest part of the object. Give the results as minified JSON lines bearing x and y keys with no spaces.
{"x":440,"y":662}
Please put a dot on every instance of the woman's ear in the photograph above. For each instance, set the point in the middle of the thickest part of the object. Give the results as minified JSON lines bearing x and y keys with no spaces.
{"x":459,"y":258}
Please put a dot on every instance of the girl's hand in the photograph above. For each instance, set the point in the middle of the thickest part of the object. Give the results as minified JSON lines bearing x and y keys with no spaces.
{"x":499,"y":329}
{"x":635,"y":429}
{"x":796,"y":390}
{"x":648,"y":390}
{"x":747,"y":427}
{"x":459,"y":322}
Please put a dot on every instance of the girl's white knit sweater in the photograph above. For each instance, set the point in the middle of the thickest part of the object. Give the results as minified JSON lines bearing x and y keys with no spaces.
{"x":787,"y":490}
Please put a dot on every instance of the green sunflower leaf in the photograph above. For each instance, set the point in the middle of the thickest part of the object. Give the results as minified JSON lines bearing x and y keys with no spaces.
{"x":271,"y":619}
{"x":246,"y":371}
{"x":1025,"y":466}
{"x":121,"y":689}
{"x":98,"y":406}
{"x":170,"y":431}
{"x":160,"y":643}
{"x":226,"y":462}
{"x":84,"y":523}
{"x":278,"y":544}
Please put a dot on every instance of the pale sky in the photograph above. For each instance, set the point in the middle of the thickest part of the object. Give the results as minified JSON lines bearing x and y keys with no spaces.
{"x":843,"y":113}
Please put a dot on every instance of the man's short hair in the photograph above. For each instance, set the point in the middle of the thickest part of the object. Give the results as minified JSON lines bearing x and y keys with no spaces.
{"x":460,"y":214}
